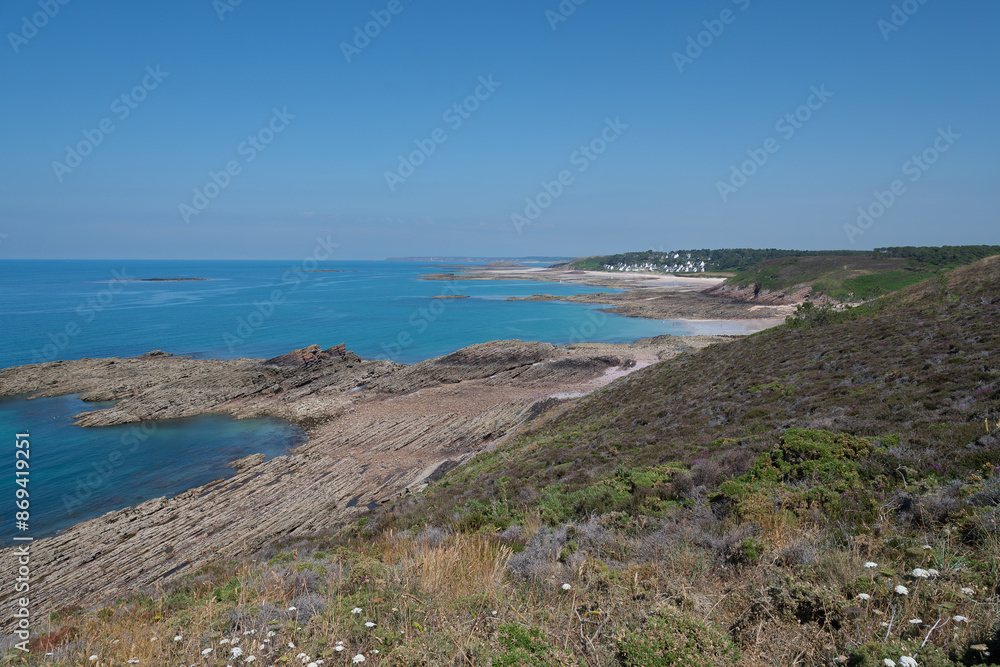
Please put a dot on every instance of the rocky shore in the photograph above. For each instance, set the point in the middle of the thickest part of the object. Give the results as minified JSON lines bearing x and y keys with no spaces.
{"x":650,"y":296}
{"x":376,"y":430}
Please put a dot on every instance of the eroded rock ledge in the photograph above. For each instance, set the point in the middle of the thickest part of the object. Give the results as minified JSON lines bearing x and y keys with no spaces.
{"x":376,"y":430}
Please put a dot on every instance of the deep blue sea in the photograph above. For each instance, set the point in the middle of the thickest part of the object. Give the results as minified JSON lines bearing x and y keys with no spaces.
{"x":75,"y":309}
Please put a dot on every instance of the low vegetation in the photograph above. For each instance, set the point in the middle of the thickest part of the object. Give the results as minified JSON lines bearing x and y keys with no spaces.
{"x":826,"y":492}
{"x":829,"y":275}
{"x":744,"y":259}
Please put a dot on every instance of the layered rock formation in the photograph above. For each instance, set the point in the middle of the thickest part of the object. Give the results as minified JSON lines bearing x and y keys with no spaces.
{"x":376,"y":429}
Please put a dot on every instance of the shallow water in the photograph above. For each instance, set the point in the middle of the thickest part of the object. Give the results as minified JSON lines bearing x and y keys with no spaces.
{"x":78,"y":473}
{"x":75,"y":309}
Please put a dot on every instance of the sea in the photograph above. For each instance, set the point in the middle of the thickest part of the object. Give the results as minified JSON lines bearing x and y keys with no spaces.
{"x":55,"y":309}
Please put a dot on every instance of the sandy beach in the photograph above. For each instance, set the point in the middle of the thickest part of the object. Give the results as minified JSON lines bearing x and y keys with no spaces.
{"x":645,"y":295}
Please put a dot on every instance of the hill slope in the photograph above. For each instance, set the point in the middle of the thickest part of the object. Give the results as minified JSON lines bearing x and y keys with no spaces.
{"x":922,"y":365}
{"x":827,"y":492}
{"x":837,"y":277}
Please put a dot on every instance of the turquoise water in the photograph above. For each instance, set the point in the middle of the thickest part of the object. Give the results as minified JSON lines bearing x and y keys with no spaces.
{"x":75,"y":309}
{"x":78,"y":473}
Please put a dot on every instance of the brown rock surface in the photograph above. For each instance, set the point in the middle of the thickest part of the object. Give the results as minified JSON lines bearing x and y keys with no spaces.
{"x":376,"y":430}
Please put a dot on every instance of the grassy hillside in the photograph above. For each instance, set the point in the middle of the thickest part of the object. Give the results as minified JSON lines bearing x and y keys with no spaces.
{"x":839,"y":274}
{"x":840,"y":277}
{"x":827,"y":492}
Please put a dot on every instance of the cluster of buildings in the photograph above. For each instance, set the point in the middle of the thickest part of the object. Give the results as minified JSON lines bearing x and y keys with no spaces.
{"x":669,"y":264}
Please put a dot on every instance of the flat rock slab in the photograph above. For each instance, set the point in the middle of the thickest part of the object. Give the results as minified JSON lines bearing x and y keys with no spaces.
{"x":376,"y":431}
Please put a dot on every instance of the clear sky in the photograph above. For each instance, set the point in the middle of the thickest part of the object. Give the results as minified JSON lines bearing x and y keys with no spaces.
{"x":312,"y":117}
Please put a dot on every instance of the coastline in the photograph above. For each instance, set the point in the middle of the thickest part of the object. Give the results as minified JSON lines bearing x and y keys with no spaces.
{"x":376,"y":431}
{"x":425,"y":418}
{"x":646,"y":296}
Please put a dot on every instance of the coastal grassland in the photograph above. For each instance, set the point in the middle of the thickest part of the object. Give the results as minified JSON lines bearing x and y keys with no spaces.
{"x":826,"y":492}
{"x":844,"y":278}
{"x":856,"y":276}
{"x":744,"y":259}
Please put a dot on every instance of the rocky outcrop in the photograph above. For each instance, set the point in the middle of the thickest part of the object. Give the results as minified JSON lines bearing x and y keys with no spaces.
{"x":312,"y":355}
{"x":754,"y":293}
{"x":376,"y":431}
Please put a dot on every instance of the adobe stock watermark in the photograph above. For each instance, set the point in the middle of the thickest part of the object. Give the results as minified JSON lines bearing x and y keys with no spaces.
{"x":787,"y":126}
{"x":562,"y":13}
{"x":714,"y":28}
{"x":900,"y":15}
{"x":420,"y":320}
{"x":291,"y":280}
{"x":103,"y":471}
{"x":30,"y":25}
{"x":454,"y":116}
{"x":594,"y":320}
{"x":581,"y":158}
{"x":86,"y":312}
{"x":122,"y":107}
{"x":914,"y":168}
{"x":248,"y":149}
{"x":223,"y":7}
{"x":363,"y":36}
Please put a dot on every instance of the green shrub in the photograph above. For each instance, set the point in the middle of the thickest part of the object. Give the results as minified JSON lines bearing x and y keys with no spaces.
{"x":521,"y":647}
{"x":812,"y":469}
{"x":672,"y":638}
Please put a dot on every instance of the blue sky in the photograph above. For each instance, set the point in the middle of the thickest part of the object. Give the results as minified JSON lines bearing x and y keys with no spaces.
{"x":671,"y":134}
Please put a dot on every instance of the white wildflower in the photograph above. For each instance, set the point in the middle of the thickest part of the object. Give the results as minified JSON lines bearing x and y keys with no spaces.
{"x":960,"y":619}
{"x":870,"y":565}
{"x":178,"y":638}
{"x":236,"y":651}
{"x":933,"y":572}
{"x":206,"y":651}
{"x":338,"y":648}
{"x":251,"y":658}
{"x":312,"y":664}
{"x":369,"y":624}
{"x":358,"y":658}
{"x":93,"y":658}
{"x":889,"y":663}
{"x":864,"y":596}
{"x":224,"y":641}
{"x":291,"y":608}
{"x":356,"y":610}
{"x":926,"y":547}
{"x":291,"y":645}
{"x":902,"y":590}
{"x":916,"y":621}
{"x":566,"y":587}
{"x":907,"y":661}
{"x":966,"y":591}
{"x":920,"y":573}
{"x":270,"y":633}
